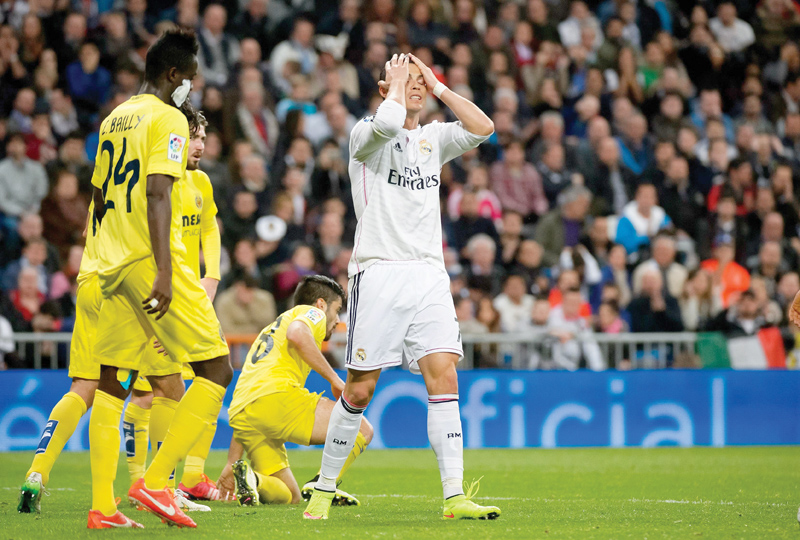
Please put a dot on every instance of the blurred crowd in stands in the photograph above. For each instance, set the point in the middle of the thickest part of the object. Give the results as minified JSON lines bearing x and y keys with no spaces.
{"x":641,"y":177}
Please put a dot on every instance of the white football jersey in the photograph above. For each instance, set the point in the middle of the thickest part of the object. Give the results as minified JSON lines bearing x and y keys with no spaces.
{"x":395,"y":175}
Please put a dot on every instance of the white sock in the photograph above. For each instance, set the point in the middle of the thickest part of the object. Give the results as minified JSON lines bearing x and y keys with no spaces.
{"x":444,"y":433}
{"x":342,"y":431}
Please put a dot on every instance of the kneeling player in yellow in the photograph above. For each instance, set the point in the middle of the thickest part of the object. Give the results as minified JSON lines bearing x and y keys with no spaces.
{"x":143,"y":145}
{"x":152,"y":413}
{"x":84,"y":372}
{"x":270,"y":405}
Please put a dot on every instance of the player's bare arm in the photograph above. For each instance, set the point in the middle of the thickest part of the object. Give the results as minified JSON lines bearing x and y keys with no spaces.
{"x":301,"y":342}
{"x":99,"y":205}
{"x":474,"y":120}
{"x":225,"y":483}
{"x":159,"y":213}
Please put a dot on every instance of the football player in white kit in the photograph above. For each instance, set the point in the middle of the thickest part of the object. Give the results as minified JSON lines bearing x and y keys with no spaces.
{"x":400,"y":302}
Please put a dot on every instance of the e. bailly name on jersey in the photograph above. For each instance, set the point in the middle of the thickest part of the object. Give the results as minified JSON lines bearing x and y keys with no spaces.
{"x":412,"y":179}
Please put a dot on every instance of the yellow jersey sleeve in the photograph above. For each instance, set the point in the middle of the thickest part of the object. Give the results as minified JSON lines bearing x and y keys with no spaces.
{"x":209,"y":237}
{"x":315,"y":319}
{"x":169,"y":136}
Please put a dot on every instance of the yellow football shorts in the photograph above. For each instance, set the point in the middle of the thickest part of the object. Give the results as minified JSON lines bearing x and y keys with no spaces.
{"x":82,"y":363}
{"x":190,"y":330}
{"x":266,"y":424}
{"x":158,"y":364}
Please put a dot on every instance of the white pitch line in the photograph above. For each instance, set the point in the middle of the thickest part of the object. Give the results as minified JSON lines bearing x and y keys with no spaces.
{"x":568,"y":501}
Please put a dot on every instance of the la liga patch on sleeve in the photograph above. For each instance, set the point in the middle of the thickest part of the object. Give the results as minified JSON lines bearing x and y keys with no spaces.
{"x":175,"y":148}
{"x":314,"y":315}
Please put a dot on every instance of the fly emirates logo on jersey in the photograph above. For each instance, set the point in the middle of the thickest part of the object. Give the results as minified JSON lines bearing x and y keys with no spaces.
{"x":412,"y":179}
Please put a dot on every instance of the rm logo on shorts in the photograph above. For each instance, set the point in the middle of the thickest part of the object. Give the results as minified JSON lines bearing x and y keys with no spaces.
{"x":175,"y":148}
{"x":361,"y":355}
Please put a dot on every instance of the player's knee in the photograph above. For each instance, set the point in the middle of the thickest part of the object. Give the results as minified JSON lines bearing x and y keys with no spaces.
{"x":225,"y":373}
{"x":359,"y":395}
{"x":218,"y":370}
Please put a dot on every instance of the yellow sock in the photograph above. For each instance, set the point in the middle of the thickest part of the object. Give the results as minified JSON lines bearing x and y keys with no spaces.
{"x":272,"y":490}
{"x":104,"y":450}
{"x":199,"y":407}
{"x":135,"y":425}
{"x":59,"y":428}
{"x":358,"y":448}
{"x":161,"y":415}
{"x":195,"y":464}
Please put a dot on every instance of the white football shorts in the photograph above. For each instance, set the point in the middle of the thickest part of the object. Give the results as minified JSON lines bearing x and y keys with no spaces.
{"x":397,"y":310}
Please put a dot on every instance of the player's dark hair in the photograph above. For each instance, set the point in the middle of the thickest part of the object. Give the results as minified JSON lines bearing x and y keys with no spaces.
{"x":175,"y":48}
{"x":195,"y":118}
{"x":313,"y":287}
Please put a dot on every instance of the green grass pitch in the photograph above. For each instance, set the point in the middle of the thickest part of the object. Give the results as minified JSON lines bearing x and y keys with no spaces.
{"x":564,"y":493}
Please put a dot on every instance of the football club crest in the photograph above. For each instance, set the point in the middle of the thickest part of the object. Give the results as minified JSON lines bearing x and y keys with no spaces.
{"x":361,"y":355}
{"x":198,"y":201}
{"x":425,"y":147}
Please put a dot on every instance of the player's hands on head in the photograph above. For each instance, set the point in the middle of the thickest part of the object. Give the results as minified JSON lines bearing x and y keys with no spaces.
{"x":396,"y":70}
{"x":226,"y":484}
{"x":162,"y":294}
{"x":427,"y":73}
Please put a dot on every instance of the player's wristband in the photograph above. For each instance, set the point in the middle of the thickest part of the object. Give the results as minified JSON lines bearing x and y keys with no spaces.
{"x":439,"y":88}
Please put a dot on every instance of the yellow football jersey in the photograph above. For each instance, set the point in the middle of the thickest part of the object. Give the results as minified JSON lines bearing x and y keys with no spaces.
{"x":270,"y":367}
{"x":198,"y":208}
{"x":140,"y":137}
{"x":89,"y":259}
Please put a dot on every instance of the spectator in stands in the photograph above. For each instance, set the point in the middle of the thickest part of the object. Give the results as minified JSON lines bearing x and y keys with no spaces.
{"x":88,"y":83}
{"x":609,"y":320}
{"x":772,"y":230}
{"x":680,"y":198}
{"x":34,"y":255}
{"x":25,"y":300}
{"x":329,"y":242}
{"x":471,"y":223}
{"x":297,"y":50}
{"x":219,"y":51}
{"x":709,"y":105}
{"x":21,"y":117}
{"x":244,"y":262}
{"x":562,"y":227}
{"x":636,"y":150}
{"x":514,"y":304}
{"x":729,"y":276}
{"x":244,"y":308}
{"x":699,"y":301}
{"x":610,"y":179}
{"x":480,"y":253}
{"x":673,"y":273}
{"x":64,"y":213}
{"x":256,"y":123}
{"x":241,"y":223}
{"x":41,"y":144}
{"x":23,"y":182}
{"x":255,"y":180}
{"x":465,"y":313}
{"x":555,"y":177}
{"x":579,"y":17}
{"x":653,"y":309}
{"x":641,"y":219}
{"x":72,"y":157}
{"x":769,"y":265}
{"x":256,"y":21}
{"x":744,"y":318}
{"x":517,"y":183}
{"x":575,"y":342}
{"x":289,"y":274}
{"x":671,"y":119}
{"x":733,"y":34}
